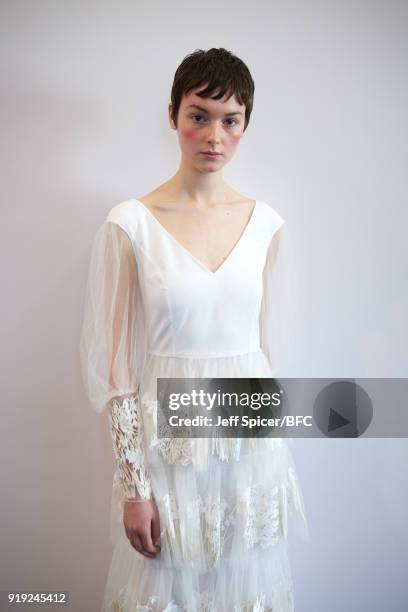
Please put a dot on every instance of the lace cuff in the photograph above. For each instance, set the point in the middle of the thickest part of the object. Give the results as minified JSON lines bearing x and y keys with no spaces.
{"x":127,"y":437}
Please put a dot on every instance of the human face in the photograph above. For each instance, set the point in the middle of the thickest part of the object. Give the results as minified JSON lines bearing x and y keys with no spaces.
{"x":203,"y":125}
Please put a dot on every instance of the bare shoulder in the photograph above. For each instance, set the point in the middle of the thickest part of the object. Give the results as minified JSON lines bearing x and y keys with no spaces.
{"x":239,"y":197}
{"x":240,"y":201}
{"x":157,"y":199}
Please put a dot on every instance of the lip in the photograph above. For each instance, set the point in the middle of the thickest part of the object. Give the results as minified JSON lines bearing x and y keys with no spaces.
{"x":211,"y":153}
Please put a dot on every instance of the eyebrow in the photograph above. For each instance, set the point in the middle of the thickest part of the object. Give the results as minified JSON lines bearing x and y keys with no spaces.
{"x":204,"y":110}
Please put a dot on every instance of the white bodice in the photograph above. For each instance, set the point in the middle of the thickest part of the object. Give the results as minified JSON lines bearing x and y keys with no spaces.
{"x":190,"y":311}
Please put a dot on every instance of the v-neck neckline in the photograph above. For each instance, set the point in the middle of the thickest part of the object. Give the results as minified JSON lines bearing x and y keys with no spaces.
{"x":189,"y":254}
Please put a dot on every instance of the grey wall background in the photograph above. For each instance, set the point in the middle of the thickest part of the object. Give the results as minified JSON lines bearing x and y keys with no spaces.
{"x":84,"y":93}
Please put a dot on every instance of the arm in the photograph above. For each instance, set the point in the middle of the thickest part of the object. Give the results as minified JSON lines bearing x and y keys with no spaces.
{"x":279,"y":302}
{"x":111,"y":377}
{"x":108,"y":352}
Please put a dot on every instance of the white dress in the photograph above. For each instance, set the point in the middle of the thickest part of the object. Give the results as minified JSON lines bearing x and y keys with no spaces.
{"x":226,"y":505}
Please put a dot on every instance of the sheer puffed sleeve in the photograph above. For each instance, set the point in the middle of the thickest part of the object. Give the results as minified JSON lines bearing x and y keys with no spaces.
{"x":108,"y":352}
{"x":279,"y":302}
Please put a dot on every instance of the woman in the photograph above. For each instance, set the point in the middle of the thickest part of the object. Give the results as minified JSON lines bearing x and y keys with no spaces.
{"x":189,"y":281}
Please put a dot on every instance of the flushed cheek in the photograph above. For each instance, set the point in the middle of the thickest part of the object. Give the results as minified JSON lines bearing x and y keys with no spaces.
{"x":189,"y":136}
{"x":234,"y":139}
{"x":232,"y":142}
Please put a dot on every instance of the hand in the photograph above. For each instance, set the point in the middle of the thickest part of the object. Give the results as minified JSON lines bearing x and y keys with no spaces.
{"x":142,"y":526}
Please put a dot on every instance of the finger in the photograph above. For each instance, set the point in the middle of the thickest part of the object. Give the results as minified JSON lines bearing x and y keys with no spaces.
{"x":147,"y":543}
{"x":156,"y":530}
{"x":136,"y":543}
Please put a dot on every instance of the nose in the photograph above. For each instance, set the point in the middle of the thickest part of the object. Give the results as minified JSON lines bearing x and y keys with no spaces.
{"x":213,"y":134}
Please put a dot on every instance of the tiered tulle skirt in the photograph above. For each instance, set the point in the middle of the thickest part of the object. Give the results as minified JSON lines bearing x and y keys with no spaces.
{"x":226,"y":507}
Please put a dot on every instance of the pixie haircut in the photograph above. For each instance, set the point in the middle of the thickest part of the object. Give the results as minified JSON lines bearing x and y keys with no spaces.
{"x":220,"y":72}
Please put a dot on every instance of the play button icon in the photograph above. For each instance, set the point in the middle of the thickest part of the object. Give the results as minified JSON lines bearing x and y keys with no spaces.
{"x":343,"y":409}
{"x":336,"y":420}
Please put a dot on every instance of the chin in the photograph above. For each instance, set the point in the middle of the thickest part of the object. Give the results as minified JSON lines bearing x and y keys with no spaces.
{"x":213,"y":166}
{"x":209,"y":170}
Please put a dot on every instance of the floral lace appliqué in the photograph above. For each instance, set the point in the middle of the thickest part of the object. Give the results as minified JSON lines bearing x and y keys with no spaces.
{"x":205,"y":602}
{"x":175,"y":450}
{"x":209,"y":523}
{"x":218,"y":518}
{"x":127,"y":437}
{"x":261,"y":509}
{"x":127,"y":603}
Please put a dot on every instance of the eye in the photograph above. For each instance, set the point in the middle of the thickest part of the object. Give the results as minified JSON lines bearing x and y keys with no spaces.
{"x":235,"y":122}
{"x":195,"y":116}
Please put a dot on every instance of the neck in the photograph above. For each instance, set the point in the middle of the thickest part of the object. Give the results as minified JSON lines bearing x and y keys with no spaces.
{"x":191,"y":186}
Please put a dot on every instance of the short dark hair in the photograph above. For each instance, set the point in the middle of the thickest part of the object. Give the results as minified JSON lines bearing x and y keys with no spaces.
{"x":222,"y":72}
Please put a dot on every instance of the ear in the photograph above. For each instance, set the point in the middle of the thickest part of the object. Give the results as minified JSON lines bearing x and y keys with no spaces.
{"x":171,"y":121}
